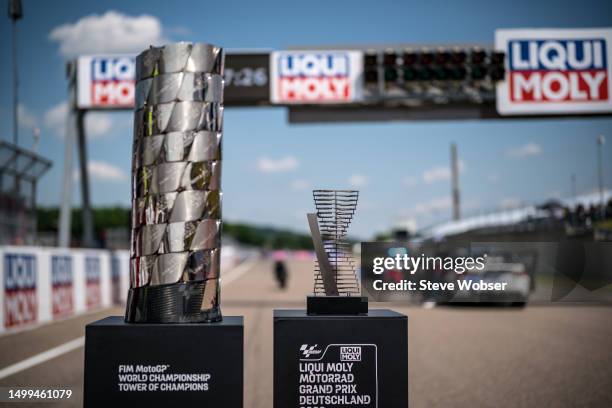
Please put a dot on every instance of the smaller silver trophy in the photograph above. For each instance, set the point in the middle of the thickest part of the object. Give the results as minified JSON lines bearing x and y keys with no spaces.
{"x":336,"y":287}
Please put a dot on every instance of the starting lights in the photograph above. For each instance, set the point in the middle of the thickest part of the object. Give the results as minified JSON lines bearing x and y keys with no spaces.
{"x":432,"y":75}
{"x":401,"y":68}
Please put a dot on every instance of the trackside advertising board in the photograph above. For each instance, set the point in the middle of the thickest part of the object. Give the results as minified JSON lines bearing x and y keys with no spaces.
{"x":44,"y":284}
{"x":555,"y":71}
{"x":106,"y":82}
{"x":20,"y":278}
{"x":316,"y":77}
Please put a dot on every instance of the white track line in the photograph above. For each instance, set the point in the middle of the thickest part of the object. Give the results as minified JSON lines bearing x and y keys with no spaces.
{"x":42,"y":357}
{"x":237,"y":272}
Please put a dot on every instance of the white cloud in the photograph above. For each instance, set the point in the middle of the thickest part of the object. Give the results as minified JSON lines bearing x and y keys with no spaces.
{"x":358,"y":180}
{"x":26,"y":118}
{"x":510,"y":202}
{"x":440,"y":173}
{"x":527,"y":150}
{"x":267,"y":165}
{"x":55,"y":119}
{"x":436,"y":174}
{"x":439,"y":206}
{"x":102,"y":171}
{"x":432,"y":206}
{"x":97,"y":124}
{"x":111,"y":32}
{"x":300,"y":185}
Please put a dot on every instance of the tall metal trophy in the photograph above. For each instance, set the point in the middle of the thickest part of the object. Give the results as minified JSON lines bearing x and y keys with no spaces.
{"x":172,"y":346}
{"x":176,"y":185}
{"x":337,"y":353}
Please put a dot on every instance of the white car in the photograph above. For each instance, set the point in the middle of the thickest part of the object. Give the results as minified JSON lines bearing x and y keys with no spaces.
{"x":511,"y":276}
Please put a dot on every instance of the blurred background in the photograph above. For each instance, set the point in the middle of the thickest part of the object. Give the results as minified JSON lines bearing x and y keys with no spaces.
{"x":432,"y":156}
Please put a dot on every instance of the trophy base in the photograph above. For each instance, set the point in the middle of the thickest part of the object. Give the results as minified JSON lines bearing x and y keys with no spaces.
{"x":336,"y":305}
{"x":161,"y":365}
{"x":174,"y":303}
{"x":340,"y":360}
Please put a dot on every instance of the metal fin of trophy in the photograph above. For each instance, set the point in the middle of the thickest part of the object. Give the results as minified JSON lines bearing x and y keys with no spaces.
{"x":176,"y":185}
{"x":336,"y":288}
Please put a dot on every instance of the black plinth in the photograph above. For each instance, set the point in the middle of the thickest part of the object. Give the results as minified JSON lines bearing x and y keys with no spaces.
{"x":336,"y":305}
{"x":162,"y":365}
{"x":329,"y":361}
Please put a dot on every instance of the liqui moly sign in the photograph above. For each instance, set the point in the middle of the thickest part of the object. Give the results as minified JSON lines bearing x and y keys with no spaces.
{"x":93,"y":293}
{"x":555,"y":71}
{"x":316,"y":77}
{"x":20,"y":278}
{"x":106,"y":81}
{"x":62,"y":303}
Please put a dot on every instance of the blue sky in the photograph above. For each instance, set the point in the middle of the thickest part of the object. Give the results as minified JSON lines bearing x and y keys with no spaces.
{"x":269,"y":167}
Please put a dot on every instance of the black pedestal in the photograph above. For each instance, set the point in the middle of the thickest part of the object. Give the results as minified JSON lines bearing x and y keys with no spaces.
{"x":336,"y":305}
{"x":162,"y":365}
{"x":332,"y":361}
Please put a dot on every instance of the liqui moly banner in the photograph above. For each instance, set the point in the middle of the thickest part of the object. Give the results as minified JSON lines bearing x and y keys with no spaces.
{"x":46,"y":284}
{"x":20,"y":301}
{"x":316,"y":77}
{"x":555,"y":71}
{"x":106,"y":82}
{"x":62,"y":300}
{"x":92,"y":282}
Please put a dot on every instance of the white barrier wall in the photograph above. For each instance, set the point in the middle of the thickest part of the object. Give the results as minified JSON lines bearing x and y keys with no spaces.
{"x":43,"y":284}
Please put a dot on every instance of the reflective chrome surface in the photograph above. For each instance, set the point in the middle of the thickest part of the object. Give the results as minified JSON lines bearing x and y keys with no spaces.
{"x":179,"y":87}
{"x":174,"y":207}
{"x":176,"y":185}
{"x":178,"y":117}
{"x":179,"y":57}
{"x":187,"y":146}
{"x":335,"y":272}
{"x":174,"y":267}
{"x":171,"y":177}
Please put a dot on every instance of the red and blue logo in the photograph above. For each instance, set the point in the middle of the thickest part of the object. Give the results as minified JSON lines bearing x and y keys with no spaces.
{"x":311,"y":77}
{"x":20,"y":304}
{"x":92,"y":282}
{"x":62,"y":303}
{"x":112,"y":81}
{"x":558,"y":71}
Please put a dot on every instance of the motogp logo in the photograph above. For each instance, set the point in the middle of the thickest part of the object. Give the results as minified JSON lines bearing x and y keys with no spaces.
{"x":558,"y":70}
{"x":307,"y":351}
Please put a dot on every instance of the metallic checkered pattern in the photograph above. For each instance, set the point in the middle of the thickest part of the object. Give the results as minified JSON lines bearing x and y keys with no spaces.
{"x":176,"y":185}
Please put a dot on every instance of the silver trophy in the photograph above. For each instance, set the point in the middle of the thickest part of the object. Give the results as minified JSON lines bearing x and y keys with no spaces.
{"x":336,"y":287}
{"x":176,"y":185}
